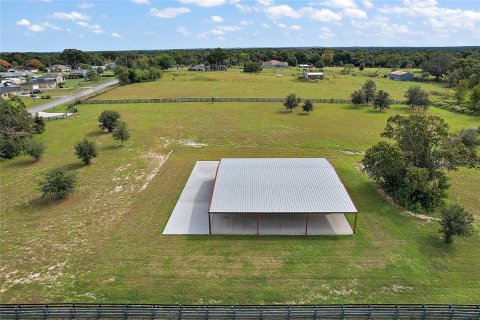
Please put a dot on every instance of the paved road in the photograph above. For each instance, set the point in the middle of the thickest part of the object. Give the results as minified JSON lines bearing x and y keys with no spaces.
{"x":71,"y":97}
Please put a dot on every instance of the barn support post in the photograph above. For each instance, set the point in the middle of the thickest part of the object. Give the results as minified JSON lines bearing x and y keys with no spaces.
{"x":306,"y":224}
{"x":209,"y":224}
{"x":258,"y":222}
{"x":355,"y":223}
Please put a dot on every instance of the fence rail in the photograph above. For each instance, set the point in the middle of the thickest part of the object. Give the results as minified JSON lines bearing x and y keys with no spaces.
{"x":213,"y":99}
{"x":153,"y":311}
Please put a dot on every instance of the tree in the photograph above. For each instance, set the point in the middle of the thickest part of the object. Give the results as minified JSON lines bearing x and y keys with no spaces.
{"x":291,"y":102}
{"x":461,"y":91}
{"x":369,"y":89}
{"x":217,"y":57}
{"x":438,"y":65}
{"x":252,"y":67}
{"x":92,"y":74}
{"x":475,"y":98}
{"x":34,"y":148}
{"x":327,"y":56}
{"x":361,"y":67}
{"x":34,"y":63}
{"x":319,"y":64}
{"x":58,"y":183}
{"x":121,"y":132}
{"x":455,"y":221}
{"x":108,"y":120}
{"x":164,"y":61}
{"x":86,"y":150}
{"x":470,"y":137}
{"x":385,"y":164}
{"x":121,"y":73}
{"x":38,"y":124}
{"x":381,"y":100}
{"x":244,"y":57}
{"x":5,"y":64}
{"x":417,"y":98}
{"x":358,"y":97}
{"x":292,"y":61}
{"x":307,"y":106}
{"x":16,"y":125}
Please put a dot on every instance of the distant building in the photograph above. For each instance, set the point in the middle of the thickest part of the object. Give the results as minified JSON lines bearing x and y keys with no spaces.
{"x":401,"y":76}
{"x":80,"y":73}
{"x":15,"y":74}
{"x":304,"y":66}
{"x":313,"y":76}
{"x":51,"y":77}
{"x":59,"y":68}
{"x":8,"y":92}
{"x":199,"y":67}
{"x":274,"y":64}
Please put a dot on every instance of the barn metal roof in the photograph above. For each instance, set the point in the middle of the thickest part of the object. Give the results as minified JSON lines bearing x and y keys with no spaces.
{"x":278,"y":185}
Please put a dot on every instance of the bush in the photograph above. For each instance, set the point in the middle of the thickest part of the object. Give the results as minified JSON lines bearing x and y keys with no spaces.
{"x":10,"y":148}
{"x":34,"y":149}
{"x":251,"y":66}
{"x":417,"y":98}
{"x":108,"y":120}
{"x":381,"y":100}
{"x":307,"y":106}
{"x":358,"y":97}
{"x":86,"y":151}
{"x":121,"y":132}
{"x":455,"y":221}
{"x":58,"y":183}
{"x":38,"y":124}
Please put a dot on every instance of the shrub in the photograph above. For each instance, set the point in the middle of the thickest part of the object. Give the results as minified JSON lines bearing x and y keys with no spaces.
{"x":86,"y":151}
{"x":358,"y":97}
{"x":251,"y":66}
{"x":108,"y":120}
{"x":381,"y":100}
{"x":121,"y":132}
{"x":417,"y":98}
{"x":58,"y":183}
{"x":38,"y":124}
{"x":34,"y":148}
{"x":455,"y":221}
{"x":307,"y":106}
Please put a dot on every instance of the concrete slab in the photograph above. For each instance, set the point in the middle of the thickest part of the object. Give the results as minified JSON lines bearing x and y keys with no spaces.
{"x":190,"y":215}
{"x":284,"y":224}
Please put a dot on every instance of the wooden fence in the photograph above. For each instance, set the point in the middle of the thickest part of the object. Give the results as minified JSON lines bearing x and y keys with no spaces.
{"x":151,"y":311}
{"x":213,"y":99}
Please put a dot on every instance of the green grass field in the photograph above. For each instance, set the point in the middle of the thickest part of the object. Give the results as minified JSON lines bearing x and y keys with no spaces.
{"x":105,"y":242}
{"x":235,"y":83}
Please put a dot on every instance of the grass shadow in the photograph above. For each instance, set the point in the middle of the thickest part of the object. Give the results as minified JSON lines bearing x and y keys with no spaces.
{"x":302,"y":114}
{"x":111,"y":147}
{"x":352,"y":107}
{"x":283,"y":112}
{"x":39,"y":202}
{"x":74,"y":166}
{"x":96,"y":133}
{"x":20,"y":163}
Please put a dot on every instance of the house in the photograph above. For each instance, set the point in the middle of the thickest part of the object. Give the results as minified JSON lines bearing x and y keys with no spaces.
{"x":199,"y":67}
{"x":59,"y":68}
{"x":313,"y":75}
{"x":80,"y":73}
{"x":304,"y":66}
{"x":8,"y":92}
{"x":110,"y":66}
{"x":51,"y":77}
{"x":99,"y":67}
{"x":401,"y":76}
{"x":274,"y":64}
{"x":29,"y":86}
{"x":16,"y":74}
{"x":42,"y":83}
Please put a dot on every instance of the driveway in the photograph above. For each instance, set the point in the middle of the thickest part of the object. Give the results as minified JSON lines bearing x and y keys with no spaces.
{"x":71,"y":97}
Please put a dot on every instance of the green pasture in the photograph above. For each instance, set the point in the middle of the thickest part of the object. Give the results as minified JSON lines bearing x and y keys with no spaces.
{"x":104,"y":243}
{"x":268,"y":83}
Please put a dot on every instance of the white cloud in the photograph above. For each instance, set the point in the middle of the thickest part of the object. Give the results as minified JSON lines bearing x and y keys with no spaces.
{"x":104,"y":16}
{"x":281,"y":25}
{"x":326,"y":15}
{"x":221,"y":30}
{"x":95,"y":27}
{"x":204,"y":3}
{"x":36,"y":28}
{"x":326,"y":33}
{"x":141,"y":1}
{"x":243,"y":7}
{"x":169,"y":12}
{"x":266,"y":26}
{"x":183,"y":31}
{"x":246,"y":22}
{"x":217,"y":19}
{"x":340,"y":3}
{"x":283,"y":10}
{"x":355,"y":13}
{"x":116,"y":35}
{"x":382,"y":27}
{"x":73,"y":15}
{"x":367,"y":4}
{"x":86,"y":5}
{"x":23,"y":22}
{"x":295,"y":27}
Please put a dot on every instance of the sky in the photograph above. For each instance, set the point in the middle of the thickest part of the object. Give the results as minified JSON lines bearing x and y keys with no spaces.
{"x":51,"y":25}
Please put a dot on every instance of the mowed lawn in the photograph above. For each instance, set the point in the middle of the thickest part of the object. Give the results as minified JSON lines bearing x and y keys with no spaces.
{"x":105,"y":244}
{"x":235,"y":83}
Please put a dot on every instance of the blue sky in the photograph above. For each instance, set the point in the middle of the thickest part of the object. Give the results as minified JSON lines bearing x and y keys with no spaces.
{"x":51,"y":25}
